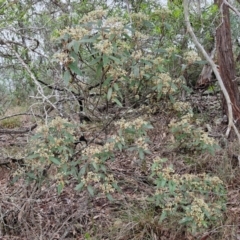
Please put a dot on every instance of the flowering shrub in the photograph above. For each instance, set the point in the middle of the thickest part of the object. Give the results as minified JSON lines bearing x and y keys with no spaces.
{"x":134,"y":133}
{"x":52,"y":155}
{"x":186,"y":134}
{"x":125,"y":71}
{"x":195,"y":201}
{"x":50,"y":150}
{"x":94,"y":174}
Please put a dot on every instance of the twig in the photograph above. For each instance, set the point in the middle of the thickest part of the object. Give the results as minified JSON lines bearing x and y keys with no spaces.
{"x":232,"y":7}
{"x":20,"y":114}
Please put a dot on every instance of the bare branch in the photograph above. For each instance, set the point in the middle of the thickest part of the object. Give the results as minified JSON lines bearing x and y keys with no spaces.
{"x":20,"y":114}
{"x":39,"y":87}
{"x":232,"y":7}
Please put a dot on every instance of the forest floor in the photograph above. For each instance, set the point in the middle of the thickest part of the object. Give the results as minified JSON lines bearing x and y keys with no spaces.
{"x":33,"y":212}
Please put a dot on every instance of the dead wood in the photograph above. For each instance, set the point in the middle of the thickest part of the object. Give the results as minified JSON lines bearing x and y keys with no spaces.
{"x":20,"y":131}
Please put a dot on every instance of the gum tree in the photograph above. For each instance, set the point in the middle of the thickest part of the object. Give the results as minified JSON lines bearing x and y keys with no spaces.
{"x":226,"y":60}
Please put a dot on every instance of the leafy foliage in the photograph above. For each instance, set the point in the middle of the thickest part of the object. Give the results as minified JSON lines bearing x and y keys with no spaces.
{"x":120,"y":65}
{"x":196,"y":201}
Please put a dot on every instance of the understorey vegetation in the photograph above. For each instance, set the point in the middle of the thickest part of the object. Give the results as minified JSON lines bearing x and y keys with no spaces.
{"x":113,"y":125}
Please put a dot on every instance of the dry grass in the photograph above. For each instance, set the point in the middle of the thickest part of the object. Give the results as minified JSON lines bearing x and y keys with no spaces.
{"x":14,"y":117}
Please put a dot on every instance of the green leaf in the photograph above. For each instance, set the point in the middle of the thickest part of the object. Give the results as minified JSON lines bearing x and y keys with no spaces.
{"x":99,"y":70}
{"x":184,"y":66}
{"x":115,"y":59}
{"x":115,"y":86}
{"x":82,"y":171}
{"x":106,"y":60}
{"x":171,"y":187}
{"x":132,"y":149}
{"x":90,"y":190}
{"x":96,"y":60}
{"x":64,"y":168}
{"x":119,"y":145}
{"x":187,"y":89}
{"x":201,"y":62}
{"x":95,"y":165}
{"x":117,"y":102}
{"x":31,"y":175}
{"x":110,"y":198}
{"x":163,"y":216}
{"x":79,"y":186}
{"x":114,"y":184}
{"x":76,"y":46}
{"x":161,"y":69}
{"x":74,"y":67}
{"x":185,"y":220}
{"x":136,"y":71}
{"x":55,"y":160}
{"x":67,"y":77}
{"x":109,"y":93}
{"x":148,"y":126}
{"x":60,"y":187}
{"x":103,"y":168}
{"x":87,"y":236}
{"x":141,"y":154}
{"x":87,"y":40}
{"x":74,"y":55}
{"x":126,"y":35}
{"x":33,"y":156}
{"x":147,"y":151}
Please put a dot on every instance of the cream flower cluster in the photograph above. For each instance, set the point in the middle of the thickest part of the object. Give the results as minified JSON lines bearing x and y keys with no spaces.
{"x":206,"y":139}
{"x":76,"y":33}
{"x":107,"y":187}
{"x":191,"y":57}
{"x":167,"y":83}
{"x":92,"y":150}
{"x":141,"y":143}
{"x":183,"y":123}
{"x":158,"y":60}
{"x":104,"y":46}
{"x":117,"y":73}
{"x":140,"y":36}
{"x":95,"y":179}
{"x":180,"y":106}
{"x":90,"y":178}
{"x":94,"y":15}
{"x":189,"y":190}
{"x":137,"y":54}
{"x":137,"y":123}
{"x":170,"y":50}
{"x":115,"y":25}
{"x":197,"y":211}
{"x":63,"y":58}
{"x":47,"y":148}
{"x":139,"y":16}
{"x":184,"y":126}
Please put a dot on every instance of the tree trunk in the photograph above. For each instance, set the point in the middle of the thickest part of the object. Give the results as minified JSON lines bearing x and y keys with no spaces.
{"x":226,"y":61}
{"x":205,"y":78}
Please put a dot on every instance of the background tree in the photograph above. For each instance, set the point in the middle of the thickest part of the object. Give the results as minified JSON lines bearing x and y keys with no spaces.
{"x":226,"y":59}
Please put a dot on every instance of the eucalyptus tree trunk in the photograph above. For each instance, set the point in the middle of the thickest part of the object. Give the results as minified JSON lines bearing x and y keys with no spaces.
{"x":226,"y":61}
